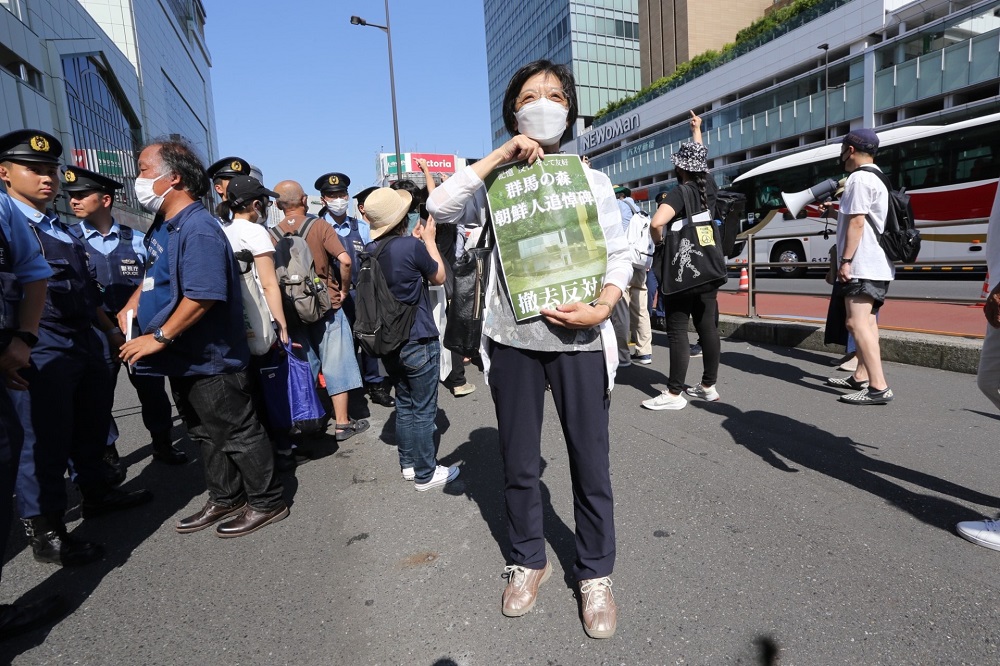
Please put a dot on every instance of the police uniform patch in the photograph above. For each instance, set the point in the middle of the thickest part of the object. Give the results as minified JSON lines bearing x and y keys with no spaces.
{"x":39,"y":143}
{"x":69,"y":176}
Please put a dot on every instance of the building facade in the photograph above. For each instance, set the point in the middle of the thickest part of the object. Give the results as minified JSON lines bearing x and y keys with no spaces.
{"x":598,"y":39}
{"x":107,"y":76}
{"x":888,"y":63}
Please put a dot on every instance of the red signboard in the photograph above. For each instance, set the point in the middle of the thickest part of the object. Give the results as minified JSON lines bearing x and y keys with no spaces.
{"x":435,"y":163}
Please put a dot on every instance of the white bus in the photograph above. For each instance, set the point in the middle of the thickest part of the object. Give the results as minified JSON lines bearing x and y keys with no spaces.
{"x":949,"y":171}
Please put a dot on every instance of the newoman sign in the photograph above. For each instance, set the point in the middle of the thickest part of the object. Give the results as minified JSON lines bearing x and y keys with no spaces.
{"x":609,"y":131}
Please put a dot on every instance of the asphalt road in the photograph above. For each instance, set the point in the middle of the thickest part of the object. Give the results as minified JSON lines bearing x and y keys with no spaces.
{"x":776,"y":513}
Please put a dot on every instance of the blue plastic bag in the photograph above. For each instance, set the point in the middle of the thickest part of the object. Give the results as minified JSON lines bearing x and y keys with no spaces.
{"x":290,"y":394}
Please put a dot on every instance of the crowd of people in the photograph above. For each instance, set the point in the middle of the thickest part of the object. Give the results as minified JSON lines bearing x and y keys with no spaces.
{"x":81,"y":301}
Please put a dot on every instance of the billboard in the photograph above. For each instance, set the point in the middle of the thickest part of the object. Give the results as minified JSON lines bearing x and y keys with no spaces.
{"x":436,"y":163}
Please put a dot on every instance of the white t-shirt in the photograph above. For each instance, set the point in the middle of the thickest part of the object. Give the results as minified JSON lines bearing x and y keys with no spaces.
{"x":993,"y":249}
{"x":865,"y":194}
{"x":245,"y":235}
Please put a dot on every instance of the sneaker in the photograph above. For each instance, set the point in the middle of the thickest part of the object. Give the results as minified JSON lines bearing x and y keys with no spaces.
{"x":665,"y":400}
{"x":442,"y":475}
{"x":643,"y":359}
{"x":847,"y":383}
{"x":705,"y":393}
{"x":866,"y":396}
{"x":600,"y":612}
{"x":522,"y":588}
{"x":408,"y":474}
{"x":695,"y":351}
{"x":849,"y":365}
{"x":464,"y":389}
{"x":984,"y":533}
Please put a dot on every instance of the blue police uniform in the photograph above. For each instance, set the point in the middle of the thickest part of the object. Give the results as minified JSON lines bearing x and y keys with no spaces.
{"x":119,"y":260}
{"x":21,"y":262}
{"x":66,"y":411}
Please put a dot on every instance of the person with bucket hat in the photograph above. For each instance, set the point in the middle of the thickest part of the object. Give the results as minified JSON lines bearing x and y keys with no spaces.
{"x":66,"y":409}
{"x":118,"y":254}
{"x":699,"y":303}
{"x":407,"y":262}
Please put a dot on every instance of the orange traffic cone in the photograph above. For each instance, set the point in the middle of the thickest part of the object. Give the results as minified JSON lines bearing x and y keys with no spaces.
{"x":744,"y":280}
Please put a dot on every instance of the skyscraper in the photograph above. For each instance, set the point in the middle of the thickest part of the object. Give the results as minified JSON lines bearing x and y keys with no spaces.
{"x":598,"y":39}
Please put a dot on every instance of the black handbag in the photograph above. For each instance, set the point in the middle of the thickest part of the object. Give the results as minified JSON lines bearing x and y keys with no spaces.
{"x":464,"y":331}
{"x":690,"y":260}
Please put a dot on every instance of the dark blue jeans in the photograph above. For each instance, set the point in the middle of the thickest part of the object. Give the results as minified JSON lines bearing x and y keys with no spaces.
{"x":219,"y":415}
{"x":414,"y":370}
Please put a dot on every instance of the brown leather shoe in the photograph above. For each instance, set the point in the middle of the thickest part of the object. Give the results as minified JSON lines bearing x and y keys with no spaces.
{"x":210,"y":514}
{"x":600,"y":613}
{"x":250,"y":520}
{"x":522,"y":588}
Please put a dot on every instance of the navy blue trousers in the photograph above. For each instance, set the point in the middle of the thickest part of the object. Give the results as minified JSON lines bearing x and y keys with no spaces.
{"x":517,"y":381}
{"x":11,"y":439}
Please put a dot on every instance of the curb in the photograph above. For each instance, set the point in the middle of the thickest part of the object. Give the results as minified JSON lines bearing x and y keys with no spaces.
{"x":941,"y":352}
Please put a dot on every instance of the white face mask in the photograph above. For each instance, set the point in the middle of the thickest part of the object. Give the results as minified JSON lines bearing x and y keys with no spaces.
{"x":542,"y":120}
{"x":149,"y":199}
{"x":337,"y":206}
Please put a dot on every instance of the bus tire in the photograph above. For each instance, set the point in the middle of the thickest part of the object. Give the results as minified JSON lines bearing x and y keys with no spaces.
{"x":791,"y":252}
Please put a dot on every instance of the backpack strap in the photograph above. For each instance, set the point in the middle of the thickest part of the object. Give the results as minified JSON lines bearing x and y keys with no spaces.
{"x":306,"y":226}
{"x":275,"y":235}
{"x":888,"y":188}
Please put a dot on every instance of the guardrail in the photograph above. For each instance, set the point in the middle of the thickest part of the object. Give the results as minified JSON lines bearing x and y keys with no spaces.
{"x":751,"y":266}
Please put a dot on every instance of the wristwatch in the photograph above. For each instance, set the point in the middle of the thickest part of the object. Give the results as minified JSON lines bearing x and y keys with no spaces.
{"x":27,"y":338}
{"x":845,"y":260}
{"x":162,"y":339}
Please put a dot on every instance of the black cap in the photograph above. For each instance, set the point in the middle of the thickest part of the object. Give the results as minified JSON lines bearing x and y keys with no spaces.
{"x":332,"y":182}
{"x":243,"y":189}
{"x":30,"y":145}
{"x":76,"y":179}
{"x":363,"y":194}
{"x":863,"y":139}
{"x":229,"y":167}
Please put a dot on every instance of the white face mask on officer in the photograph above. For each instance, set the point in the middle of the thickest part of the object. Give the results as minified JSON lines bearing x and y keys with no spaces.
{"x":542,"y":120}
{"x":336,"y":206}
{"x":149,"y":199}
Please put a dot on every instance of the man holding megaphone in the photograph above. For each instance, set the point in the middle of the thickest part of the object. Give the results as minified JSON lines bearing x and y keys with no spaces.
{"x":864,"y":272}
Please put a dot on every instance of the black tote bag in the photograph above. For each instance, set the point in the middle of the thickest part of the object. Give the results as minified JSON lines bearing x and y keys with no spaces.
{"x":464,"y":331}
{"x":690,"y":260}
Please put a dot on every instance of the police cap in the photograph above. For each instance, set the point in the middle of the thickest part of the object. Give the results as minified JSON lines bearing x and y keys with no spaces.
{"x":76,"y":179}
{"x":332,"y":182}
{"x":229,"y":167}
{"x":30,"y":145}
{"x":363,"y":194}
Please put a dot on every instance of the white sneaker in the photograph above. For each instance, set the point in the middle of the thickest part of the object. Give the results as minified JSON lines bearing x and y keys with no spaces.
{"x":442,"y":475}
{"x":984,"y":533}
{"x":407,"y":473}
{"x":699,"y":391}
{"x":665,"y":400}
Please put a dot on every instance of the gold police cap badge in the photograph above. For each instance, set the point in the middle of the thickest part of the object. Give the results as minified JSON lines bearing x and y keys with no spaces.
{"x":39,"y":143}
{"x":70,"y":176}
{"x":333,"y":180}
{"x":236,"y":166}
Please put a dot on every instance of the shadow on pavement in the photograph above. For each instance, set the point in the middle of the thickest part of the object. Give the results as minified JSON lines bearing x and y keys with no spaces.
{"x":771,"y":435}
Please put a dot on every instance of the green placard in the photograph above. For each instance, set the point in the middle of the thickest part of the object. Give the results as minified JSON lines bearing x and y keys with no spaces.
{"x":551,"y":244}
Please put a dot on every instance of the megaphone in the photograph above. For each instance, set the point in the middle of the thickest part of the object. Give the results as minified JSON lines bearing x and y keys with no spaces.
{"x":796,"y":201}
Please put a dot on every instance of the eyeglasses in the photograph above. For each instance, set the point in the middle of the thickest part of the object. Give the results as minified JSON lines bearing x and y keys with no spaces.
{"x":557,"y":95}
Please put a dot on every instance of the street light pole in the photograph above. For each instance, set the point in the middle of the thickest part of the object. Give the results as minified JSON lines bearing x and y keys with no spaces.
{"x":826,"y":91}
{"x":357,"y":20}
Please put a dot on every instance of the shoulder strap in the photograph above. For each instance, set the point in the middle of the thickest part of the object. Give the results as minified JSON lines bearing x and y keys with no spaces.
{"x":306,"y":226}
{"x":125,"y":233}
{"x":691,"y":204}
{"x":381,"y":245}
{"x":889,"y":210}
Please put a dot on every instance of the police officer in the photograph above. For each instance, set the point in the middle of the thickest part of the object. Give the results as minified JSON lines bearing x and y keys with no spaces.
{"x":66,"y":411}
{"x":220,"y":173}
{"x":118,"y":255}
{"x":23,"y":274}
{"x":355,"y":234}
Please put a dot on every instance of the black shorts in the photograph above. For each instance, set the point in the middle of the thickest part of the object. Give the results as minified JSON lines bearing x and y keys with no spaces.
{"x":874,"y":289}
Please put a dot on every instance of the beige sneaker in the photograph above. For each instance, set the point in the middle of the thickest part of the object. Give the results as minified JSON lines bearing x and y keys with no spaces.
{"x":600,"y":613}
{"x":522,"y":588}
{"x":463,"y":390}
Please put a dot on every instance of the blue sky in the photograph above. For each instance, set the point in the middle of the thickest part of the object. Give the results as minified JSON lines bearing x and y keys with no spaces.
{"x":299,"y":91}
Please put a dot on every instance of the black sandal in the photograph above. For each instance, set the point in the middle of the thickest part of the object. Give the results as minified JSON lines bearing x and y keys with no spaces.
{"x":350,"y":429}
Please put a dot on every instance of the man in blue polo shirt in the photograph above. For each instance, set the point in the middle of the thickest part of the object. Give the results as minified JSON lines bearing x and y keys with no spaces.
{"x":189,"y":312}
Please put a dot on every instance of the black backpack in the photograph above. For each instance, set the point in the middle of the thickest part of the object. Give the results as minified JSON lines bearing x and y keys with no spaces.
{"x":900,"y":241}
{"x":729,"y":209}
{"x":382,"y":322}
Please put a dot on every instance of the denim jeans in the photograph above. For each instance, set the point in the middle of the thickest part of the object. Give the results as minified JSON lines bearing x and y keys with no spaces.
{"x":414,"y":370}
{"x":219,"y":415}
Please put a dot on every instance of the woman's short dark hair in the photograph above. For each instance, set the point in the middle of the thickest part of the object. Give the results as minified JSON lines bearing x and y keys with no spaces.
{"x":179,"y":158}
{"x":561,"y":72}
